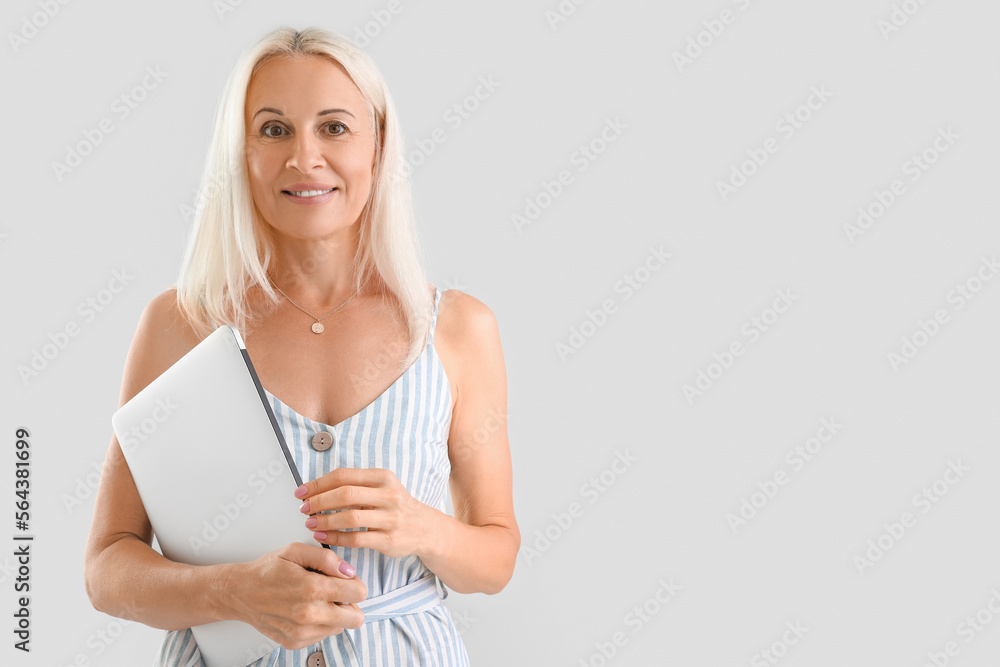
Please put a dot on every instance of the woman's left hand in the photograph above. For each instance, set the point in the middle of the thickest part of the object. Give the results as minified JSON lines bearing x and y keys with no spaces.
{"x":397,"y":523}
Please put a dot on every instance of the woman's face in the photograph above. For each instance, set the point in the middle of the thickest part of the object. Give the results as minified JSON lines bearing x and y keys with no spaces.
{"x":307,"y":131}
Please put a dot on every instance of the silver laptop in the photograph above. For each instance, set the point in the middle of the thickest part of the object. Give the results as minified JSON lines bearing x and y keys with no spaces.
{"x":214,"y":473}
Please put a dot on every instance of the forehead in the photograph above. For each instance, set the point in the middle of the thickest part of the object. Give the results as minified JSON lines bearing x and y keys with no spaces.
{"x":303,"y":85}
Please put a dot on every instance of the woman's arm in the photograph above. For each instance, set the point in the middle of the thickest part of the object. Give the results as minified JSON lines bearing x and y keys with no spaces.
{"x":475,"y":551}
{"x":125,"y":577}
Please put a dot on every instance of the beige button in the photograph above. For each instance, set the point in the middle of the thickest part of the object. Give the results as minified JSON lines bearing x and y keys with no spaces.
{"x":316,"y":660}
{"x":321,"y":442}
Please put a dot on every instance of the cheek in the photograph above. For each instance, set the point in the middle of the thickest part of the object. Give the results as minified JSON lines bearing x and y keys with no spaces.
{"x":361,"y":168}
{"x":257,"y":170}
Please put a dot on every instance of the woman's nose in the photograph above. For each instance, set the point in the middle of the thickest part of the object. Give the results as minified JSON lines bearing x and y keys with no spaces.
{"x":305,"y":153}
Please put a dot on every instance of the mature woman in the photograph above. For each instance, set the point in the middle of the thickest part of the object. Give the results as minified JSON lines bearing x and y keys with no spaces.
{"x":385,"y":387}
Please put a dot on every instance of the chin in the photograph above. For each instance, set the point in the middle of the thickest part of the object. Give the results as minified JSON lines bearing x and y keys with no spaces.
{"x":312,"y":231}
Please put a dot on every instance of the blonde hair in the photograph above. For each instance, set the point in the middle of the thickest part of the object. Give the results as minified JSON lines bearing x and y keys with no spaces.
{"x":230,"y":247}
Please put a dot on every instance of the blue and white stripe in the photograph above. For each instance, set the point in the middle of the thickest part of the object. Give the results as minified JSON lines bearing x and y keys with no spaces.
{"x":404,"y":430}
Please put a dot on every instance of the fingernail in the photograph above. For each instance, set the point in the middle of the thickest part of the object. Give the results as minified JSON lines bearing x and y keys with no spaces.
{"x":305,"y":507}
{"x":319,"y":536}
{"x":346,"y":569}
{"x":312,"y":522}
{"x":301,"y":491}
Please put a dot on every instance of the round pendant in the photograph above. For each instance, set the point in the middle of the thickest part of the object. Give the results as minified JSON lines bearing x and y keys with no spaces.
{"x":318,"y":328}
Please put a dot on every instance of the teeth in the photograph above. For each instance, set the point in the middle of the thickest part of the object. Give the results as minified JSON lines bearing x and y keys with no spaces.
{"x":310,"y":193}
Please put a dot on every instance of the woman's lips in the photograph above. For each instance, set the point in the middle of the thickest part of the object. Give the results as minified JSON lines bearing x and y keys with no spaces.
{"x":310,"y":199}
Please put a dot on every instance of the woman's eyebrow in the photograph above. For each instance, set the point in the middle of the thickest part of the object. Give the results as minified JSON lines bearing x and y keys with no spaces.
{"x":330,"y":111}
{"x":325,"y":112}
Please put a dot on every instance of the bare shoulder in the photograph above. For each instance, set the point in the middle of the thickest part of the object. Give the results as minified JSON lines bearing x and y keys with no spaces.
{"x":162,"y":336}
{"x":467,"y":338}
{"x":463,"y":320}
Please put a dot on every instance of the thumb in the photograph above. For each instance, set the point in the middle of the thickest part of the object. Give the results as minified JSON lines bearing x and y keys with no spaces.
{"x":321,"y":560}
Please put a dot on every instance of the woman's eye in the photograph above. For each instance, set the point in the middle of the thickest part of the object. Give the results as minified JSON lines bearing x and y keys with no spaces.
{"x":275,"y":131}
{"x":266,"y":130}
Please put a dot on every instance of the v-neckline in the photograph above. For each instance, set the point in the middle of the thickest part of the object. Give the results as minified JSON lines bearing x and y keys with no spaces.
{"x":363,"y":410}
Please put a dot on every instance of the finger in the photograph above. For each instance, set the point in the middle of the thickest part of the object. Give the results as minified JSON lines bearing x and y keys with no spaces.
{"x":340,"y":592}
{"x":320,"y":560}
{"x":354,"y":539}
{"x":329,"y":618}
{"x":327,"y":623}
{"x":323,"y":626}
{"x":344,"y":497}
{"x":343,"y":477}
{"x":352,"y":518}
{"x":346,"y":616}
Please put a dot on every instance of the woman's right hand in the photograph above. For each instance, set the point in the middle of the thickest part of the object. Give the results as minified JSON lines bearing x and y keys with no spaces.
{"x":284,"y":601}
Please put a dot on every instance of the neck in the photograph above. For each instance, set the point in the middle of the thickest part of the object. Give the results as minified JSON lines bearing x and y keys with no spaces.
{"x":316,"y":273}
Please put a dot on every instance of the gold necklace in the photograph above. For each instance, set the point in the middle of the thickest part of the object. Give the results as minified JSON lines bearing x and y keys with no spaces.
{"x":317,"y":327}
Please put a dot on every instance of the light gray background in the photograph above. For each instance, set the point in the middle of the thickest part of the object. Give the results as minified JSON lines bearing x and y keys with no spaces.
{"x":664,"y":516}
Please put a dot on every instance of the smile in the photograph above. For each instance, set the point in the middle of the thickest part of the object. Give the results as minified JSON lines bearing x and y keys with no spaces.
{"x":309,"y":193}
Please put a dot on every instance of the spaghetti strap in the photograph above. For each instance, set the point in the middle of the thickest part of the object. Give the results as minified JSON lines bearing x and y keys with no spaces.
{"x":434,"y":315}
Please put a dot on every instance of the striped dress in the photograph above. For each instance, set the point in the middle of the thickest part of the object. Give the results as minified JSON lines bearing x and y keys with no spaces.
{"x":405,"y":430}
